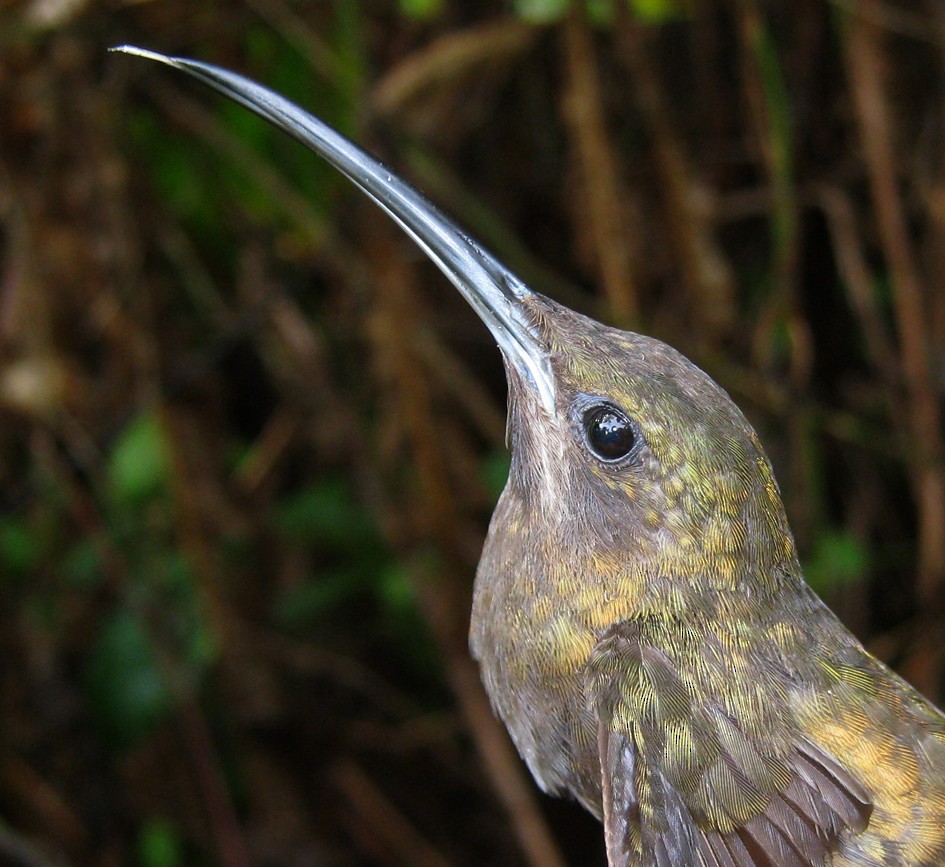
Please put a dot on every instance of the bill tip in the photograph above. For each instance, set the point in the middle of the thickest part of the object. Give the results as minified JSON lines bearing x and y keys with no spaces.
{"x":140,"y":52}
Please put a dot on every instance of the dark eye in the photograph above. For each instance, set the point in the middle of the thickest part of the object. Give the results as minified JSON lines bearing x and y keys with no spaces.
{"x":610,"y":434}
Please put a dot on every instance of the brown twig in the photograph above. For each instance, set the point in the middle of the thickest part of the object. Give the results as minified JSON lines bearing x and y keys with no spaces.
{"x":269,"y":448}
{"x":224,"y":826}
{"x":886,"y":16}
{"x":607,"y":209}
{"x":864,"y":56}
{"x":50,"y":809}
{"x":853,"y":267}
{"x":706,"y":272}
{"x":444,"y":186}
{"x":381,"y":828}
{"x":451,"y":57}
{"x":316,"y":662}
{"x":15,"y":849}
{"x":298,"y":32}
{"x":455,"y":378}
{"x":190,"y":511}
{"x":934,"y":200}
{"x":763,"y":80}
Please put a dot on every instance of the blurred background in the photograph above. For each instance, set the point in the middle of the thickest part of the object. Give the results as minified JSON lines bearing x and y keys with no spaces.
{"x":250,"y":440}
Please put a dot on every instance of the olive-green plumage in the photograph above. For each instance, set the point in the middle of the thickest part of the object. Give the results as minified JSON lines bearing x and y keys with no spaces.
{"x":640,"y":616}
{"x":645,"y":632}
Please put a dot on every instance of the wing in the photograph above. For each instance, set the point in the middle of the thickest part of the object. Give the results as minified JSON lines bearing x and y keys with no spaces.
{"x":701,"y":763}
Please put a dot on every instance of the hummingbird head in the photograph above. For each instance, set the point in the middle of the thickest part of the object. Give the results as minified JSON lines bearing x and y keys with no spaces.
{"x":619,"y":444}
{"x":631,"y":449}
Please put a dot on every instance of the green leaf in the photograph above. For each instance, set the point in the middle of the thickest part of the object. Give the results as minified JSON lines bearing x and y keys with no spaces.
{"x":176,"y":167}
{"x":495,"y":471}
{"x":318,"y":597}
{"x":655,"y":11}
{"x":138,"y":466}
{"x":402,"y":624}
{"x":82,"y":567}
{"x":159,"y":844}
{"x":396,"y":591}
{"x":421,"y":10}
{"x":124,"y":685}
{"x":541,"y":11}
{"x":600,"y":12}
{"x":836,"y":559}
{"x":19,"y":548}
{"x":327,"y":514}
{"x":163,"y":581}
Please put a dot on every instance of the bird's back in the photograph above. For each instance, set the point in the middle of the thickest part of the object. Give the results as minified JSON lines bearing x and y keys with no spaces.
{"x":893,"y":741}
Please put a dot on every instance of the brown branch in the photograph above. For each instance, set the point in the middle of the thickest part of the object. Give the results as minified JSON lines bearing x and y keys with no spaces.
{"x":205,"y":765}
{"x":445,"y":187}
{"x":381,"y":828}
{"x":470,"y":395}
{"x":934,"y":199}
{"x":299,"y":33}
{"x":313,"y":662}
{"x":771,"y":136}
{"x":190,"y":510}
{"x":886,"y":16}
{"x":705,"y":271}
{"x":268,"y":450}
{"x":606,"y":197}
{"x":450,"y":58}
{"x":43,"y":803}
{"x":17,"y":850}
{"x":853,"y":268}
{"x":865,"y":60}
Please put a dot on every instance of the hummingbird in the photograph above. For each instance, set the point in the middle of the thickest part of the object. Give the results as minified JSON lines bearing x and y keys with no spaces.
{"x":640,"y":615}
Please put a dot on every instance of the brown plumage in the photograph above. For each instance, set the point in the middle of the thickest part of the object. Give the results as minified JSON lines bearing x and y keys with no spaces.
{"x":640,"y":616}
{"x":649,"y":618}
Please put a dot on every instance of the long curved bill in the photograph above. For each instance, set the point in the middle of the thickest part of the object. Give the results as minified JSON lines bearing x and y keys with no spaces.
{"x":494,"y":292}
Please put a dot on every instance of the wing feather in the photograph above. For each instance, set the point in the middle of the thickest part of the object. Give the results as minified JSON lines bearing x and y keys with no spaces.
{"x":686,"y":782}
{"x":773,"y":846}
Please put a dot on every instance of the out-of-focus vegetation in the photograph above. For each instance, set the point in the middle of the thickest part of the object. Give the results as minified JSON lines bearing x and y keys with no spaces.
{"x":250,"y":440}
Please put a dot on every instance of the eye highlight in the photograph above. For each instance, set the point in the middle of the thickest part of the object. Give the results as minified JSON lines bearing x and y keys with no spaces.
{"x":610,"y":434}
